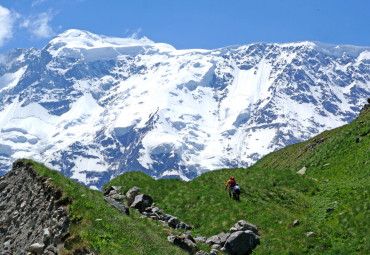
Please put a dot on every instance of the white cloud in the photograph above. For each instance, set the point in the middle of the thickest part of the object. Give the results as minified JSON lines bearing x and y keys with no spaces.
{"x":37,"y":2}
{"x":135,"y":34}
{"x":39,"y":25}
{"x":7,"y":19}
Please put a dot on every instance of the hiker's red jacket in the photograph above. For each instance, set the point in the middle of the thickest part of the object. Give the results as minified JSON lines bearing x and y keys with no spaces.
{"x":230,"y":183}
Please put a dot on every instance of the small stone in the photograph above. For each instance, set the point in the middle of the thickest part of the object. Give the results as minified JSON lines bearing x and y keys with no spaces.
{"x":335,"y":202}
{"x":23,"y":205}
{"x":329,"y":209}
{"x":6,"y":245}
{"x":296,"y":223}
{"x":46,"y":235}
{"x":37,"y":248}
{"x":309,"y":233}
{"x":302,"y":171}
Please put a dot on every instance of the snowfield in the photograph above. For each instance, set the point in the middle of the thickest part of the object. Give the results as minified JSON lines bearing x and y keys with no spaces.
{"x":94,"y":107}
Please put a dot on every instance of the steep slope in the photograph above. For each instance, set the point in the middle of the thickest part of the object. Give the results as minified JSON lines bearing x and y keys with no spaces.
{"x":93,"y":107}
{"x":42,"y":206}
{"x":330,"y":200}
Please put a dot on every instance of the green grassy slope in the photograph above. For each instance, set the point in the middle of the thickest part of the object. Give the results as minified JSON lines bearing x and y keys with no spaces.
{"x":274,"y":195}
{"x":102,"y":227}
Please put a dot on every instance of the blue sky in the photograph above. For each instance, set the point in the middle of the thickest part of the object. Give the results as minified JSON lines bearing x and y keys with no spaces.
{"x":186,"y":24}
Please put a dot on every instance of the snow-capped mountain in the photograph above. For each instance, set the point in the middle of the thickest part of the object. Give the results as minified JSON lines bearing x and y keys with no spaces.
{"x":93,"y":107}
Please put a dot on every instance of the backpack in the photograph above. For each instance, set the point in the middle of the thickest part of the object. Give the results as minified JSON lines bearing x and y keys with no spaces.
{"x":237,"y":187}
{"x":232,"y":183}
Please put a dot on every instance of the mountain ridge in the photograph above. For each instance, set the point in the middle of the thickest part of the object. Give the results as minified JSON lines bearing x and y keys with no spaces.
{"x":95,"y":112}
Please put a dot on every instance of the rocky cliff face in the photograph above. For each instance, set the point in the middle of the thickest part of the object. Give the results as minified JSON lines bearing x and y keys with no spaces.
{"x":33,"y":217}
{"x":93,"y":107}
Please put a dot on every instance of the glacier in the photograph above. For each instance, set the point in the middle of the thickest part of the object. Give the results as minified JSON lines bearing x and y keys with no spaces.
{"x":93,"y":107}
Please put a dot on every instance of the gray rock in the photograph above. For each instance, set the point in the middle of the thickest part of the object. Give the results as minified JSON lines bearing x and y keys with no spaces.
{"x":202,"y":253}
{"x":214,"y":252}
{"x":37,"y":248}
{"x":46,"y":235}
{"x":184,"y":226}
{"x":120,"y":207}
{"x":117,"y":188}
{"x":242,"y":225}
{"x":213,"y":240}
{"x":112,"y":192}
{"x":3,"y":184}
{"x":223,"y":237}
{"x":141,"y":202}
{"x":184,"y":242}
{"x":200,"y":239}
{"x":216,"y":247}
{"x":241,"y":242}
{"x":7,"y":245}
{"x":171,"y":239}
{"x":131,"y":194}
{"x":173,"y":221}
{"x":117,"y":197}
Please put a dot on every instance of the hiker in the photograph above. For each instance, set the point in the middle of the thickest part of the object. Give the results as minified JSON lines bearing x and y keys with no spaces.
{"x":237,"y":192}
{"x":231,"y":184}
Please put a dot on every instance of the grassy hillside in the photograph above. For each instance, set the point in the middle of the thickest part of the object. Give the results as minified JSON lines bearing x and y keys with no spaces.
{"x":274,"y":195}
{"x":101,"y":228}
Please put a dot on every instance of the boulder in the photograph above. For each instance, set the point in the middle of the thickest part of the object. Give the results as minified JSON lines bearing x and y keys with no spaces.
{"x":241,"y":242}
{"x":185,"y":242}
{"x":242,"y":225}
{"x":141,"y":202}
{"x":131,"y":194}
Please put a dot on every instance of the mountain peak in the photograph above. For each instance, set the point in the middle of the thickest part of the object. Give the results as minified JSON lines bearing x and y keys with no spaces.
{"x":80,"y":39}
